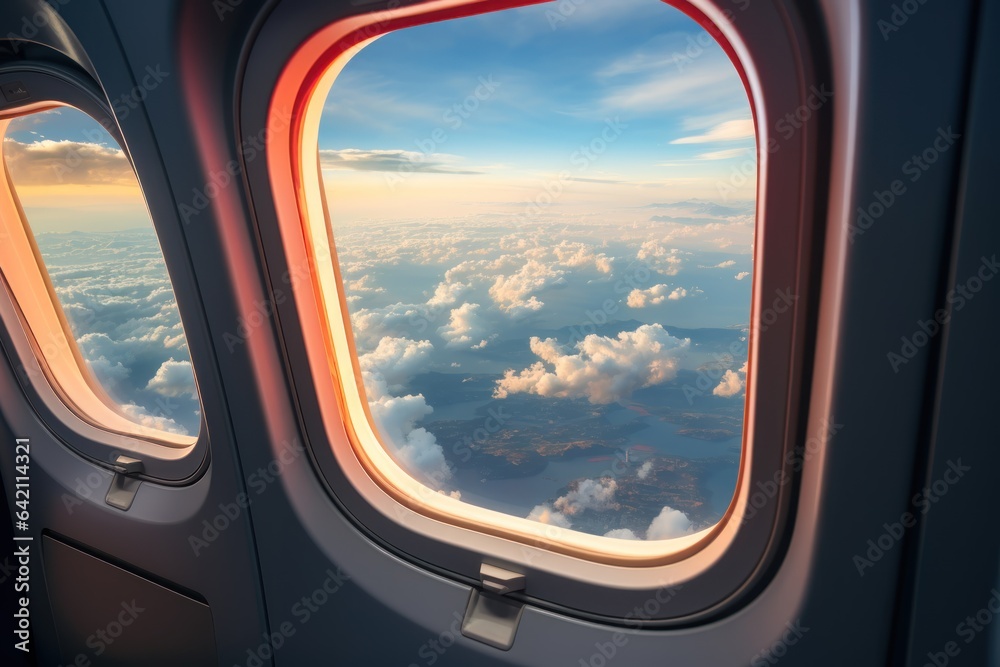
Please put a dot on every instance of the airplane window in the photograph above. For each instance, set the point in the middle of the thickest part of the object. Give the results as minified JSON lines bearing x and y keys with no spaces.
{"x":114,"y":315}
{"x":544,"y":225}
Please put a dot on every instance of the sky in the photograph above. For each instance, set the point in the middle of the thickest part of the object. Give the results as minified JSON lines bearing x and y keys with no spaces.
{"x":72,"y":174}
{"x":477,"y":114}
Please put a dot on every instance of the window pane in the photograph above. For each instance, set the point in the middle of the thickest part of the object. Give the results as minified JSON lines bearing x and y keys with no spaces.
{"x":544,"y":223}
{"x":94,"y":234}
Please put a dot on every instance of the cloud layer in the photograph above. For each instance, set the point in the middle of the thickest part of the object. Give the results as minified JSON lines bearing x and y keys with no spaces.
{"x":116,"y":295}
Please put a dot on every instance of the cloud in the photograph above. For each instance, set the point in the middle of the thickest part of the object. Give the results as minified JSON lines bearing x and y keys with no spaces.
{"x":589,"y":494}
{"x":363,"y":285}
{"x":702,"y":207}
{"x":602,"y":370}
{"x":621,"y":534}
{"x":465,"y":327}
{"x":174,"y":379}
{"x":514,"y":294}
{"x":654,"y":296}
{"x":604,"y":181}
{"x":446,"y":294}
{"x":742,"y":274}
{"x":52,"y":163}
{"x":722,"y":155}
{"x":657,"y":92}
{"x":114,"y":290}
{"x":141,"y":416}
{"x":670,"y":523}
{"x":415,"y":448}
{"x":644,"y":470}
{"x":384,"y":371}
{"x":580,"y":255}
{"x":725,"y":265}
{"x":395,"y":360}
{"x":546,"y":514}
{"x":354,"y":159}
{"x":667,"y":262}
{"x":732,"y":382}
{"x":599,"y":496}
{"x":730,"y":130}
{"x":372,"y":324}
{"x":108,"y":373}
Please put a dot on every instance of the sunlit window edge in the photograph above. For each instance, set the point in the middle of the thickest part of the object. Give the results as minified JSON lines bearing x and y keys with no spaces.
{"x":58,"y":354}
{"x":366,"y":443}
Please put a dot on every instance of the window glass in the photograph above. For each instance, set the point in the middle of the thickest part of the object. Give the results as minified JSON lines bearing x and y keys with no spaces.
{"x":90,"y":225}
{"x":544,"y":223}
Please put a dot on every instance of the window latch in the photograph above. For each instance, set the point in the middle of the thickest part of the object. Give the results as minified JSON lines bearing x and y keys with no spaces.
{"x":124,"y":485}
{"x":498,"y":580}
{"x":490,"y":617}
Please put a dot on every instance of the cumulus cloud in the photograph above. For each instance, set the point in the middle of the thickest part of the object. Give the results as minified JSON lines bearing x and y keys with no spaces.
{"x":514,"y":294}
{"x":654,"y":296}
{"x":732,"y":382}
{"x":384,"y":371}
{"x":415,"y":447}
{"x":173,"y":378}
{"x":372,"y":324}
{"x":668,"y":524}
{"x":644,"y":470}
{"x":621,"y":534}
{"x":666,"y":261}
{"x":602,"y":370}
{"x":108,"y":373}
{"x":401,"y":161}
{"x":446,"y":294}
{"x":363,"y":285}
{"x":391,"y":363}
{"x":742,"y":274}
{"x":589,"y":494}
{"x":725,"y":265}
{"x":48,"y":163}
{"x":580,"y":255}
{"x":143,"y":417}
{"x":465,"y":328}
{"x":546,"y":514}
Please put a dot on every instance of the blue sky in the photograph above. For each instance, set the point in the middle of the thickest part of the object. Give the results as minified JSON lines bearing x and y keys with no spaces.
{"x":556,"y":84}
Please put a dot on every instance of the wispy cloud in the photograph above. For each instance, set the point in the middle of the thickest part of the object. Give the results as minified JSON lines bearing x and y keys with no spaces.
{"x":730,"y":130}
{"x":724,"y":154}
{"x":704,"y":85}
{"x":608,"y":181}
{"x":354,"y":159}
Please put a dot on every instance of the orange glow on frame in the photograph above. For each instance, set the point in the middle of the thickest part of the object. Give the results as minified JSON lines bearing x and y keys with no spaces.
{"x":299,"y":196}
{"x":23,"y":271}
